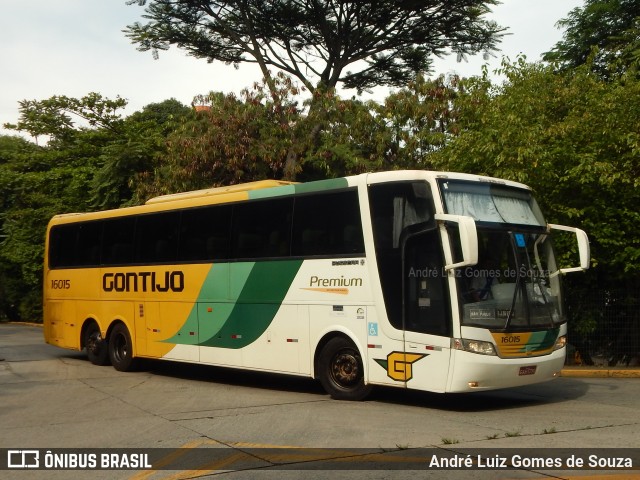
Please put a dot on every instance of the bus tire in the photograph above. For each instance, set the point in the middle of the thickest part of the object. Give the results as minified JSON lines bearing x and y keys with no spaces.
{"x":121,"y":348}
{"x":97,"y":349}
{"x":340,"y":370}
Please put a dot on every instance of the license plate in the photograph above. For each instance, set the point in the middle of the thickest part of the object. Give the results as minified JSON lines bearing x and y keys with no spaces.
{"x":527,"y":370}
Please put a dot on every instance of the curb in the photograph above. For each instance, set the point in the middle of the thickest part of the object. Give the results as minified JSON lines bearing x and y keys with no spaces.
{"x":28,"y":324}
{"x":601,"y":372}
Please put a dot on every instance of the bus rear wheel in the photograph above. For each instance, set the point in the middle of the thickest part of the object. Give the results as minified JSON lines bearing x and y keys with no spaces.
{"x":97,"y":351}
{"x":341,"y":372}
{"x":121,"y":348}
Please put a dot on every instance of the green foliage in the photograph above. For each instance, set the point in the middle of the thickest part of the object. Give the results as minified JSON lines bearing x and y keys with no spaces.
{"x":572,"y":137}
{"x":322,"y":43}
{"x":81,"y":168}
{"x":126,"y":156}
{"x":230,"y":140}
{"x":385,"y":42}
{"x":420,"y":120}
{"x":239,"y":139}
{"x":51,"y":117}
{"x":602,"y":33}
{"x":351,"y":140}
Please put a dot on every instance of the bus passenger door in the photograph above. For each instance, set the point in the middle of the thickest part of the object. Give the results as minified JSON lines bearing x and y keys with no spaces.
{"x":426,"y":313}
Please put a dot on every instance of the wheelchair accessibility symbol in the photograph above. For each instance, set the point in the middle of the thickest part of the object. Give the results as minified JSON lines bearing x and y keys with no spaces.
{"x":373,"y":329}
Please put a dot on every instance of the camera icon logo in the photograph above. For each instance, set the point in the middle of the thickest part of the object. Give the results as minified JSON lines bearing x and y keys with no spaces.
{"x":23,"y":459}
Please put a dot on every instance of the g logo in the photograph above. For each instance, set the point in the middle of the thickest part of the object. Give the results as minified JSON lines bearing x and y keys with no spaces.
{"x":399,"y":365}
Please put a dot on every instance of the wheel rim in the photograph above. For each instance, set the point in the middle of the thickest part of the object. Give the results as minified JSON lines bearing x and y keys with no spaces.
{"x":345,"y":369}
{"x":94,"y":342}
{"x":120,"y":348}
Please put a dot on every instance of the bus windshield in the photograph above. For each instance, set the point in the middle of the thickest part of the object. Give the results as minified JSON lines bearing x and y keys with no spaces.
{"x":491,"y":203}
{"x":514,"y":285}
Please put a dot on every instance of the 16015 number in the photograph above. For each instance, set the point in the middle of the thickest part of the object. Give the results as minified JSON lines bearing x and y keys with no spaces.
{"x":60,"y":284}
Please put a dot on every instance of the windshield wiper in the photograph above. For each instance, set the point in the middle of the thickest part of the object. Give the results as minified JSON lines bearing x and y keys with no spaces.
{"x":518,"y":286}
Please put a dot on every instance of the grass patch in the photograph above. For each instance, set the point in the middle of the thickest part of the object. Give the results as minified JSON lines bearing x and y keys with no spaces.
{"x":450,"y":441}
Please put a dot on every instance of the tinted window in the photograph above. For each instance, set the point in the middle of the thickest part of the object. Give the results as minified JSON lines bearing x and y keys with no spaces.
{"x":117,"y":242}
{"x":328,"y":224}
{"x":204,"y":233}
{"x":262,"y":229}
{"x":62,"y":246}
{"x":75,"y":245}
{"x":157,"y":238}
{"x":397,"y":210}
{"x":89,"y":240}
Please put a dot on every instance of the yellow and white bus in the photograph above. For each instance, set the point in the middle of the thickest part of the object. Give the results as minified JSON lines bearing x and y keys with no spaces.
{"x":443,"y":282}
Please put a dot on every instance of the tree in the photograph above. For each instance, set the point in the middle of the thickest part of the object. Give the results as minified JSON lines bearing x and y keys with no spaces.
{"x":385,"y":42}
{"x":81,"y":168}
{"x":604,"y":33}
{"x":36,"y":183}
{"x":321,"y":43}
{"x":573,"y":137}
{"x":421,"y":119}
{"x":51,"y":117}
{"x":233,"y":140}
{"x":134,"y":151}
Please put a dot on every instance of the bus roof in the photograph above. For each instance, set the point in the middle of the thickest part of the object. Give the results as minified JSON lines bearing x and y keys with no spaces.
{"x":242,"y":187}
{"x":272,"y":188}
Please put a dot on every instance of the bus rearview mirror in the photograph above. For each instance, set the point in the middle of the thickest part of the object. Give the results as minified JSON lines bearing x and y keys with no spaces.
{"x":584,"y":249}
{"x":468,"y":239}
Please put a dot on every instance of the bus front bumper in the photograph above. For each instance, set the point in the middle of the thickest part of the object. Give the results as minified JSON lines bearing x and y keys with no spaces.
{"x":474,"y":372}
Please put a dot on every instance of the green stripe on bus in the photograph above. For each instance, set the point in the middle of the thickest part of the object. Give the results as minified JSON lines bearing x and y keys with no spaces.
{"x":541,"y":340}
{"x":318,"y":186}
{"x":321,"y":185}
{"x":256,"y":288}
{"x":272,"y":192}
{"x":215,"y":295}
{"x":257,"y":305}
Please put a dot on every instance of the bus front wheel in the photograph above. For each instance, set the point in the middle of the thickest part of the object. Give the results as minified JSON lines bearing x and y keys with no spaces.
{"x":121,"y":348}
{"x":340,"y":370}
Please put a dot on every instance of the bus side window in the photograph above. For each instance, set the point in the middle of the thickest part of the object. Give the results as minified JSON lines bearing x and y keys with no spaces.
{"x":426,"y":298}
{"x":62,"y":246}
{"x":327,"y":224}
{"x":157,"y":238}
{"x":117,"y":242}
{"x":262,"y":229}
{"x":396,"y":210}
{"x":205,"y":234}
{"x":89,"y":240}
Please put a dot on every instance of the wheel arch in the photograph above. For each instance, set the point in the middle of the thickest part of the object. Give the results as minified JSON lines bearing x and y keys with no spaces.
{"x":326,"y":337}
{"x":85,"y":324}
{"x":117,"y":321}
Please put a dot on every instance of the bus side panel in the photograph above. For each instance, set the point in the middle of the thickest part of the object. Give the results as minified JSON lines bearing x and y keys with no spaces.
{"x":278,"y":348}
{"x":382,"y":351}
{"x":63,"y":312}
{"x":168,"y":334}
{"x":61,"y":328}
{"x":427,"y":361}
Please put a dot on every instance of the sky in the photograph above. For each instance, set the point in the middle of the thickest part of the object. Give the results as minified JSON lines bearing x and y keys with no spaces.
{"x":74,"y":47}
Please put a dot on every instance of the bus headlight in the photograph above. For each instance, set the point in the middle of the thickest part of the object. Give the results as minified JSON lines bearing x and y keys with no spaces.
{"x":473,"y":346}
{"x":561,"y":342}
